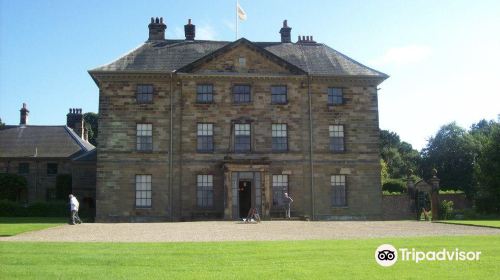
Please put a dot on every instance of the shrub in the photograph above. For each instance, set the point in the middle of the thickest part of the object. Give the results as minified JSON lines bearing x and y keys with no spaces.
{"x":12,"y":186}
{"x":445,"y":209}
{"x":37,"y":209}
{"x":63,"y":186}
{"x":394,"y":186}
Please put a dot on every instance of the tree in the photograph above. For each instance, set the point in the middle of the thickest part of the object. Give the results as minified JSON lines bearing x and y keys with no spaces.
{"x":488,"y":172}
{"x":12,"y":186}
{"x":452,"y":151}
{"x":1,"y":123}
{"x":91,"y":123}
{"x":398,"y":155}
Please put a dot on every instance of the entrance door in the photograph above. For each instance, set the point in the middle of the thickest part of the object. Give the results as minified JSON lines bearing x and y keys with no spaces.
{"x":245,"y":197}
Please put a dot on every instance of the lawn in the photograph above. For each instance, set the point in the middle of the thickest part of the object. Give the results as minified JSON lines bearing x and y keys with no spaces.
{"x":13,"y":225}
{"x":330,"y":259}
{"x":485,"y":223}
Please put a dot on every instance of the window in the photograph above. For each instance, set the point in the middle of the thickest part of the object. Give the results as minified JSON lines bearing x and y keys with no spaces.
{"x":280,"y":186}
{"x":336,"y":138}
{"x":205,"y":134}
{"x":278,"y":95}
{"x":335,"y":96}
{"x":242,"y":137}
{"x":205,"y":191}
{"x":144,"y":94}
{"x":241,"y":94}
{"x":280,"y":137}
{"x":143,"y":191}
{"x":242,"y":62}
{"x":338,"y":190}
{"x":205,"y":93}
{"x":144,"y":137}
{"x":24,"y":168}
{"x":51,"y":168}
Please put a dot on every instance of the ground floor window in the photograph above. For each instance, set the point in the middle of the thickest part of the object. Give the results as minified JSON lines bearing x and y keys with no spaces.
{"x":280,"y":186}
{"x":205,"y":191}
{"x":143,"y":191}
{"x":338,"y":191}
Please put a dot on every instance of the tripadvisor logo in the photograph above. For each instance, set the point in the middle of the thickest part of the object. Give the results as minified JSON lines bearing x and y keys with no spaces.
{"x":387,"y":255}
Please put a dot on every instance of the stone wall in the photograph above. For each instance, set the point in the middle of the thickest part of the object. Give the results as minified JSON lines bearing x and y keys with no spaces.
{"x":397,"y":207}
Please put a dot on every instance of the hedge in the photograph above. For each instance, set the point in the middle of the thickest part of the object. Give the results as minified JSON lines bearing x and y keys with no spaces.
{"x":38,"y":209}
{"x":394,"y":186}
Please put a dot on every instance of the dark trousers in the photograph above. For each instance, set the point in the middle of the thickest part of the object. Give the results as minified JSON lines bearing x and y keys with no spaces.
{"x":287,"y":211}
{"x":75,"y":218}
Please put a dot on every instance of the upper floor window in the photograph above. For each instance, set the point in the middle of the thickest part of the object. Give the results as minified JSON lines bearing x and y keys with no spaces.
{"x":278,"y":95}
{"x":205,"y":137}
{"x":51,"y":168}
{"x":336,"y":138}
{"x":205,"y":191}
{"x":242,"y":137}
{"x":144,"y":94}
{"x":335,"y":96}
{"x":23,"y":168}
{"x":143,"y":191}
{"x":338,"y":190}
{"x":241,"y":94}
{"x":205,"y":93}
{"x":280,"y":187}
{"x":280,"y":137}
{"x":144,"y":137}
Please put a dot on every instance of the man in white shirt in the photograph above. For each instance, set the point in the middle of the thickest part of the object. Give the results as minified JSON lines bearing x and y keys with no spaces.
{"x":74,"y":205}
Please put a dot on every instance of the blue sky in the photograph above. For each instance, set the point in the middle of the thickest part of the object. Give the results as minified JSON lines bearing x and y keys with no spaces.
{"x":443,"y":56}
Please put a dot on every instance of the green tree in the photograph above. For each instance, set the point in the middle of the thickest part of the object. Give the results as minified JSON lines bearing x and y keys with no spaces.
{"x":488,"y":171}
{"x":91,"y":123}
{"x":12,"y":186}
{"x":1,"y":123}
{"x":452,"y":151}
{"x":398,"y":155}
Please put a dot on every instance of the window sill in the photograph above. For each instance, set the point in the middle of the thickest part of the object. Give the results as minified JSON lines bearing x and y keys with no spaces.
{"x":340,"y":207}
{"x":204,"y":152}
{"x":204,"y":103}
{"x":143,"y":208}
{"x":338,"y":152}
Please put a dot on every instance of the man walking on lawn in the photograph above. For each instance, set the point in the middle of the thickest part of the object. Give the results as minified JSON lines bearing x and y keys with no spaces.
{"x":286,"y":202}
{"x":74,"y":205}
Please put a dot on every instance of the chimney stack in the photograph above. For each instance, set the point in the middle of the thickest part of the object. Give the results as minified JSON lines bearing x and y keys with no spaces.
{"x":285,"y":32}
{"x":157,"y":29}
{"x":189,"y":31}
{"x":306,"y":40}
{"x":24,"y":115}
{"x":74,"y":120}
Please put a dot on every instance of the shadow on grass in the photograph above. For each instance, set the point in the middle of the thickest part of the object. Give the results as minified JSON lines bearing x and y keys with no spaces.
{"x":33,"y":220}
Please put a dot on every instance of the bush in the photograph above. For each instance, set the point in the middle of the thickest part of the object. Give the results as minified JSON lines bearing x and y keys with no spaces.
{"x":12,"y":186}
{"x":450,"y":192}
{"x":37,"y":209}
{"x":63,"y":186}
{"x":394,"y":186}
{"x":445,"y":209}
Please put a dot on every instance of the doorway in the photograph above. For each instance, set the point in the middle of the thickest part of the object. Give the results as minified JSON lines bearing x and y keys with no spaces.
{"x":245,"y":197}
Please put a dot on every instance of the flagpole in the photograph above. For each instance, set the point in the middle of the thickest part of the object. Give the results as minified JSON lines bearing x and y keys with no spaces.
{"x":236,"y":20}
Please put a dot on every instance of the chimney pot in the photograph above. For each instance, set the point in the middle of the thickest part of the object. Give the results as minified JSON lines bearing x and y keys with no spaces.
{"x":24,"y":115}
{"x":157,"y":29}
{"x":285,"y":32}
{"x":189,"y":30}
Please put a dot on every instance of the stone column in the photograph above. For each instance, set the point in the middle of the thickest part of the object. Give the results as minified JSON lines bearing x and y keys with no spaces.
{"x":434,"y":181}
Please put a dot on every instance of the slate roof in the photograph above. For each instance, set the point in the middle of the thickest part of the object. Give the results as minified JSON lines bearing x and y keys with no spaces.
{"x":41,"y":141}
{"x":171,"y":55}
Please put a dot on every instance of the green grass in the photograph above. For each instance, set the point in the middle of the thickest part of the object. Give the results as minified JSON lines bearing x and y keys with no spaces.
{"x":14,"y":225}
{"x":485,"y":223}
{"x":331,"y":259}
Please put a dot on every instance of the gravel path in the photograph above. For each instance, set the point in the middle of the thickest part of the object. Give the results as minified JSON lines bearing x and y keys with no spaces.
{"x":235,"y":231}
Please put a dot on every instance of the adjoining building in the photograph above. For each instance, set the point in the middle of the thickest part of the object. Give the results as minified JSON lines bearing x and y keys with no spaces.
{"x":198,"y":129}
{"x":41,"y":153}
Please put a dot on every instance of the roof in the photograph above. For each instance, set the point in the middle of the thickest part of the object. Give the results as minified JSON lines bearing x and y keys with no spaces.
{"x":172,"y":55}
{"x":41,"y":141}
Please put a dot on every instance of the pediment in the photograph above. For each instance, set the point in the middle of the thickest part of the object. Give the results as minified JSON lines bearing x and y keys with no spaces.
{"x":241,"y":58}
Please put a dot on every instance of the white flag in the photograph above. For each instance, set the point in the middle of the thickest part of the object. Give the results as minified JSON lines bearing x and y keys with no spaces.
{"x":241,"y":13}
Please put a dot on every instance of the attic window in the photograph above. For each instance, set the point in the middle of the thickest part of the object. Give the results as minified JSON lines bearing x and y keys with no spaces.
{"x":242,"y":62}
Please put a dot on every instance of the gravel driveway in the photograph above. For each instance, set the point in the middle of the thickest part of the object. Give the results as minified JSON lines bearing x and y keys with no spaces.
{"x":235,"y":231}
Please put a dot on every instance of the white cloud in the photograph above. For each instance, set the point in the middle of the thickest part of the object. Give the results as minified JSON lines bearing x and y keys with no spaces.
{"x":205,"y":32}
{"x":229,"y":24}
{"x":403,"y":55}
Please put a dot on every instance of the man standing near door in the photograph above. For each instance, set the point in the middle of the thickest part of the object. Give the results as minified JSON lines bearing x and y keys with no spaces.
{"x":286,"y":202}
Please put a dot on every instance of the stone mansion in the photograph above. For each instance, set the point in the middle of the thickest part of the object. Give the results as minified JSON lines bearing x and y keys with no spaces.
{"x":194,"y":129}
